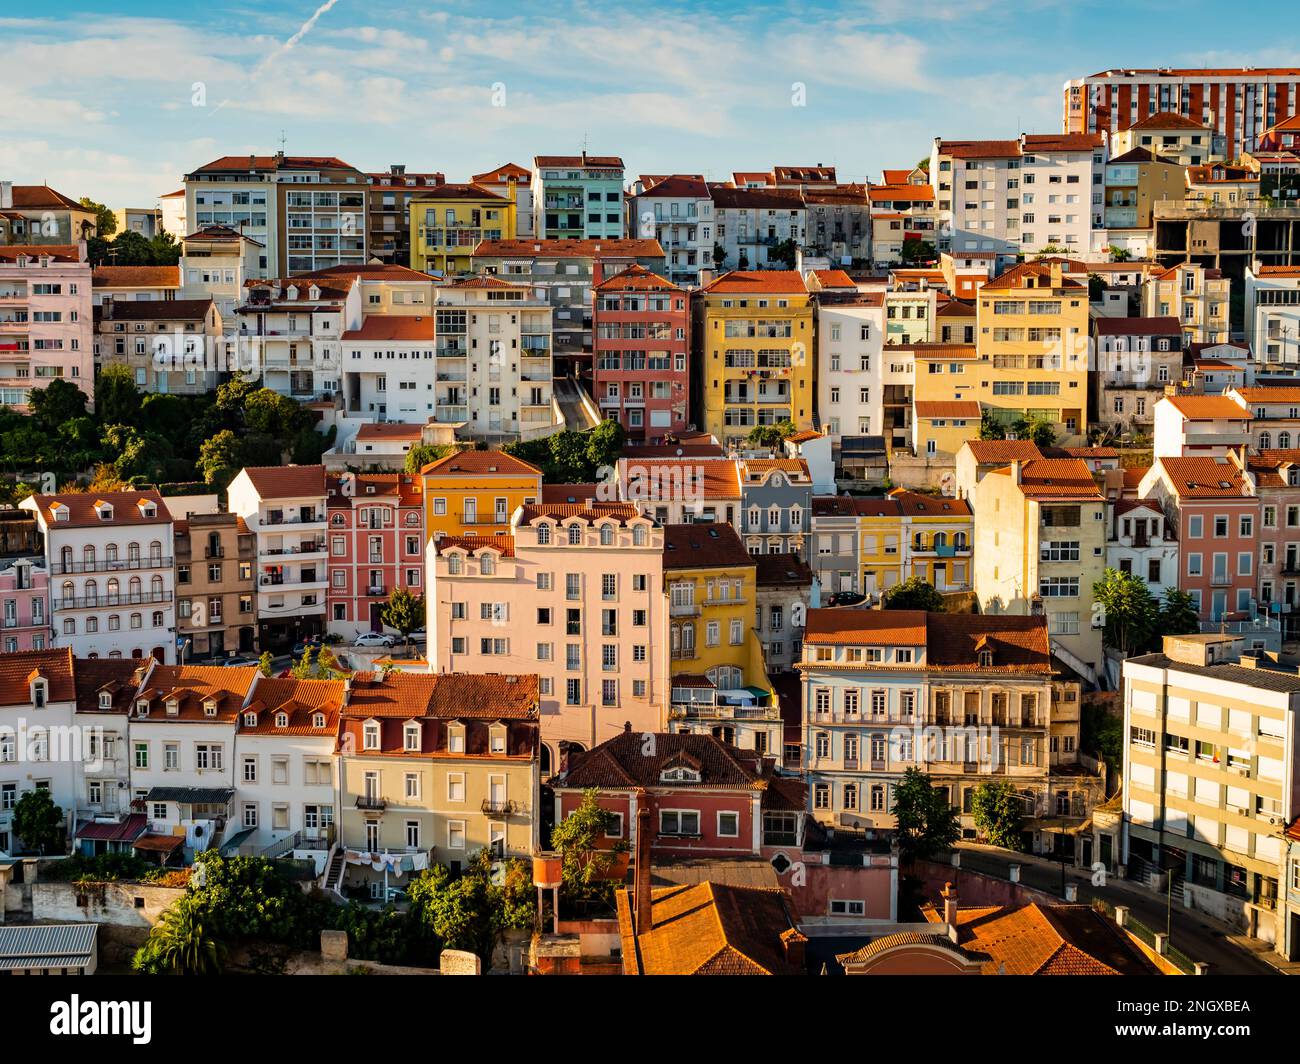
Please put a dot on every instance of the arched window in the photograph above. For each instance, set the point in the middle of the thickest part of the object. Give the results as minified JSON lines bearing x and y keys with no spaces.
{"x":156,"y":586}
{"x":92,"y":625}
{"x":1265,"y":440}
{"x":155,"y":549}
{"x":65,"y":559}
{"x":1284,"y":440}
{"x":114,"y":623}
{"x":959,"y":540}
{"x":454,"y":564}
{"x":133,"y":589}
{"x":606,"y":535}
{"x":110,"y":552}
{"x":92,"y":592}
{"x":88,"y":558}
{"x":941,"y":539}
{"x":157,"y":618}
{"x":639,"y":535}
{"x":114,"y":589}
{"x":137,"y":621}
{"x":543,"y":534}
{"x":575,"y":535}
{"x":133,"y":553}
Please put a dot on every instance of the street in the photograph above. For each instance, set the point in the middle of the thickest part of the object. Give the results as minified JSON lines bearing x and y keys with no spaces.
{"x":1199,"y":937}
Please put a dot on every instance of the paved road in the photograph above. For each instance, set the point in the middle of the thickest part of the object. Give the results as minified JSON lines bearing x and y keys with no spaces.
{"x":567,"y":395}
{"x":1198,"y":936}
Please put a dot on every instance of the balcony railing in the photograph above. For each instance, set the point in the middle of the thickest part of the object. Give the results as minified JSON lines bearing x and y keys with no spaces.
{"x":499,"y":807}
{"x":60,"y":568}
{"x":141,"y":599}
{"x":366,"y":801}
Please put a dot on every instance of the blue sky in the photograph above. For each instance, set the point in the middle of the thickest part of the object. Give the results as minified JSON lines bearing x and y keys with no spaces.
{"x":99,"y":98}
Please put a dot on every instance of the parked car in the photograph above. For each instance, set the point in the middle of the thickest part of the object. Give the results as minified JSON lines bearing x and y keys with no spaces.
{"x":300,"y":648}
{"x":420,"y":636}
{"x":374,"y":639}
{"x":240,"y":661}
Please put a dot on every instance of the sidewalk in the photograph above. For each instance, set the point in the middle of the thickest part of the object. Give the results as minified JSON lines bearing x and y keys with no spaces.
{"x":1264,"y":952}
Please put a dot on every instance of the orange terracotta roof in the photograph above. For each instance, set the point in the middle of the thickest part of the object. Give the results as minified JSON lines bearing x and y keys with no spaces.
{"x":636,"y":278}
{"x":115,"y":676}
{"x":54,"y":252}
{"x":1166,"y":120}
{"x":1208,"y":407}
{"x":299,"y":701}
{"x":851,"y":626}
{"x":80,"y":506}
{"x":770,"y":281}
{"x":663,"y":479}
{"x":287,"y":482}
{"x":503,"y":544}
{"x":591,"y":511}
{"x":952,"y":409}
{"x":478,"y":463}
{"x":1265,"y":396}
{"x":612,"y":248}
{"x":19,"y":668}
{"x":985,"y":451}
{"x":580,"y":161}
{"x":980,"y":149}
{"x":388,"y":430}
{"x":701,"y":546}
{"x":390,"y":327}
{"x":192,"y":686}
{"x":1061,"y":142}
{"x":136,"y":277}
{"x":1055,"y":478}
{"x":1204,"y":478}
{"x":834,"y":279}
{"x":1017,"y":276}
{"x":918,"y":505}
{"x":42,"y":197}
{"x":761,"y":468}
{"x":804,"y":436}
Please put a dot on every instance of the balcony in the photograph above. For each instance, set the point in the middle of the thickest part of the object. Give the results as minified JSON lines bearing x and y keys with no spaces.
{"x":305,"y":579}
{"x":684,"y":609}
{"x":371,"y":802}
{"x":316,"y":547}
{"x":95,"y":601}
{"x":275,"y":520}
{"x":377,"y":591}
{"x":60,"y":568}
{"x":499,"y":807}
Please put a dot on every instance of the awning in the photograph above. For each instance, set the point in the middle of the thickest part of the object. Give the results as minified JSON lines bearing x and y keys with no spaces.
{"x":159,"y":843}
{"x":118,"y":831}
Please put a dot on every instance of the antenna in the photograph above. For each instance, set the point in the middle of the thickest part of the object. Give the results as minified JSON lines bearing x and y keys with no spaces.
{"x":282,"y":140}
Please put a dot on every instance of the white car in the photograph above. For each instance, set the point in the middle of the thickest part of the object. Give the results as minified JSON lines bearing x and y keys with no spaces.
{"x":374,"y":639}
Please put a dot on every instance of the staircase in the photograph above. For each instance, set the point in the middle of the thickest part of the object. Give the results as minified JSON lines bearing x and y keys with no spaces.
{"x":334,"y":872}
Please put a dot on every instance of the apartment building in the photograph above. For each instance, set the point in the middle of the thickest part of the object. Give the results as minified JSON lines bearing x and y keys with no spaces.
{"x":448,"y":222}
{"x":683,"y":490}
{"x":1135,"y":181}
{"x":285,"y":509}
{"x":565,"y":272}
{"x":182,"y":729}
{"x":968,"y":699}
{"x":37,"y":702}
{"x":677,"y":211}
{"x":1239,"y":105}
{"x":39,"y":215}
{"x":216,"y":263}
{"x":785,"y":589}
{"x":574,"y":594}
{"x":308,"y":212}
{"x":1204,"y":426}
{"x":850,"y":333}
{"x":1136,"y":358}
{"x":388,"y":368}
{"x":500,"y":389}
{"x":46,"y":320}
{"x":1277,"y":482}
{"x":1033,"y":348}
{"x":755,"y":344}
{"x":475,"y":493}
{"x":132,"y":283}
{"x":285,"y":767}
{"x":516,"y":184}
{"x":839,"y":223}
{"x":1142,"y":542}
{"x":216,"y":612}
{"x":171,"y":346}
{"x":937,"y":538}
{"x":1274,"y":413}
{"x":113,"y":587}
{"x":719,"y":676}
{"x":1215,"y":510}
{"x":750,"y":223}
{"x":577,"y":197}
{"x":376,"y":545}
{"x":105,"y":690}
{"x":941,"y":427}
{"x":388,"y":211}
{"x":641,"y":339}
{"x":24,"y":583}
{"x":435,"y":768}
{"x":835,"y":541}
{"x":1196,"y":295}
{"x":1272,"y":313}
{"x":776,"y":501}
{"x":1169,"y":135}
{"x":1210,"y":742}
{"x":1040,"y":545}
{"x":291,"y":332}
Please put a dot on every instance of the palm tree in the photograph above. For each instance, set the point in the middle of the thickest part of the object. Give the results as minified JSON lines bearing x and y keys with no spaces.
{"x":183,"y":945}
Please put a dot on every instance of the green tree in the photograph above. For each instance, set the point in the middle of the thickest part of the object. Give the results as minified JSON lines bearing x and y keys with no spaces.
{"x":1130,"y":613}
{"x":422,"y":454}
{"x":1096,"y":288}
{"x":1118,"y":254}
{"x":1102,"y":733}
{"x":917,"y":250}
{"x":117,"y":399}
{"x":267,"y":664}
{"x":39,"y":822}
{"x":269,"y":412}
{"x":604,"y":445}
{"x":165,"y":249}
{"x":784,"y":254}
{"x":57,"y":402}
{"x":770,"y":435}
{"x":914,"y":593}
{"x":927,"y":824}
{"x":1037,"y":430}
{"x":991,"y":428}
{"x":584,"y":867}
{"x":719,"y":257}
{"x":305,"y":667}
{"x":998,"y":814}
{"x":181,"y":943}
{"x":472,"y":911}
{"x":403,"y":612}
{"x":105,"y":220}
{"x":1178,"y":613}
{"x":220,"y":458}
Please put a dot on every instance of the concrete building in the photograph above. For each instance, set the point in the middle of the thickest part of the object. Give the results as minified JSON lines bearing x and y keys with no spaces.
{"x":1205,"y":426}
{"x":135,"y":283}
{"x":1196,"y":295}
{"x":776,"y":501}
{"x":46,"y":320}
{"x":217,"y":262}
{"x":577,"y":197}
{"x":677,"y":211}
{"x":40,"y":215}
{"x":850,"y":332}
{"x":750,"y":223}
{"x":785,"y":589}
{"x":388,"y":212}
{"x":1210,"y":735}
{"x":1135,"y":359}
{"x":24,"y":583}
{"x":285,"y":509}
{"x":1169,"y":135}
{"x":147,"y":221}
{"x":171,"y":347}
{"x":1272,"y":314}
{"x":105,"y":696}
{"x":216,"y":613}
{"x":112,"y":581}
{"x":1135,"y":181}
{"x":448,"y":222}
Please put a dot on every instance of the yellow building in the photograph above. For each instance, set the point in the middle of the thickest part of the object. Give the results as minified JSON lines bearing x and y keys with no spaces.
{"x":938,"y":539}
{"x":474,"y":493}
{"x":756,"y":345}
{"x":940,"y":427}
{"x":434,"y":769}
{"x":450,"y":221}
{"x":1032,"y":343}
{"x":719,"y":682}
{"x":880,"y":538}
{"x":1196,"y":295}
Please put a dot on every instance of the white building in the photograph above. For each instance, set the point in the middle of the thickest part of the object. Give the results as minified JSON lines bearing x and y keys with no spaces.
{"x":850,"y":337}
{"x":285,"y":777}
{"x":750,"y":222}
{"x":105,"y":695}
{"x":112,"y":583}
{"x":1273,"y":313}
{"x":1200,"y":426}
{"x":1139,"y":542}
{"x":284,"y":506}
{"x":678,"y":212}
{"x":494,"y":360}
{"x":389,"y":368}
{"x":217,"y":262}
{"x":135,"y":283}
{"x":37,"y":702}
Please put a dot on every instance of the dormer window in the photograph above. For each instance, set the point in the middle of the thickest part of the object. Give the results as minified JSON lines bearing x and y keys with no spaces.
{"x":986,"y":659}
{"x":487,"y":564}
{"x":313,"y":292}
{"x":679,"y":774}
{"x":497,"y":738}
{"x":606,"y":535}
{"x":104,"y":511}
{"x":456,"y":738}
{"x":60,"y":512}
{"x":40,"y":692}
{"x":318,"y":720}
{"x":142,"y":707}
{"x":148,"y":509}
{"x":282,"y":720}
{"x":455,"y":564}
{"x":411,"y":738}
{"x":209,"y":709}
{"x":105,"y":700}
{"x":370,"y":735}
{"x":173,"y":707}
{"x":575,"y":535}
{"x":543,"y":534}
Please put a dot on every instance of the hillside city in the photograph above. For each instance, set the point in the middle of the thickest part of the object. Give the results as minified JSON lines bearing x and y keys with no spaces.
{"x":561,"y":570}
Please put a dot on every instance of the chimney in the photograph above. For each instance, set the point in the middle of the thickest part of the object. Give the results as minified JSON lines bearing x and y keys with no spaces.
{"x":1056,"y":273}
{"x":1016,"y":469}
{"x":641,"y":870}
{"x":949,"y":896}
{"x":6,"y":194}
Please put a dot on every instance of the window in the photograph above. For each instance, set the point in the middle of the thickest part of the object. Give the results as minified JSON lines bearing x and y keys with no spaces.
{"x":679,"y":822}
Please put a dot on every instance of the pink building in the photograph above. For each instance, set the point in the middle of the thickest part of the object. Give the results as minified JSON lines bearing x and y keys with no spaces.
{"x":24,"y":584}
{"x":376,"y":543}
{"x":1215,"y":508}
{"x":640,"y":337}
{"x":574,"y":594}
{"x":46,"y":320}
